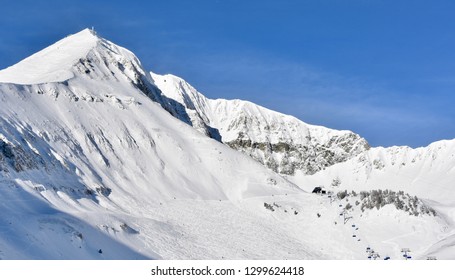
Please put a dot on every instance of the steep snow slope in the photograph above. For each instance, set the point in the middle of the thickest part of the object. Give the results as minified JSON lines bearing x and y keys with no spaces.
{"x":92,"y":167}
{"x":282,"y":143}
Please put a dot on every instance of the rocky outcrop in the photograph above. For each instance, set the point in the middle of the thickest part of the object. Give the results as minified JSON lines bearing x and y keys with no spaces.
{"x":286,"y":158}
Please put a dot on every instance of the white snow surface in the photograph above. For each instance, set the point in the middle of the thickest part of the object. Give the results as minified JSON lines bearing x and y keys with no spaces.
{"x":91,"y":167}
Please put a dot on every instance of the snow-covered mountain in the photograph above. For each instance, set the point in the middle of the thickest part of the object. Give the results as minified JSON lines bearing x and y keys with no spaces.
{"x":101,"y":160}
{"x":86,"y":138}
{"x":281,"y":142}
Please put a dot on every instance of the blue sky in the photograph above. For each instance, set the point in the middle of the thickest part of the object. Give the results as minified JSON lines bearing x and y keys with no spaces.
{"x":383,"y":69}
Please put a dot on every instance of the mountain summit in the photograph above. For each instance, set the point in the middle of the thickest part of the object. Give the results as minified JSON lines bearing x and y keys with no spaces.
{"x":83,"y":54}
{"x":54,"y":63}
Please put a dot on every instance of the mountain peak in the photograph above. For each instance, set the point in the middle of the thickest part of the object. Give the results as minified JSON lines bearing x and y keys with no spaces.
{"x":52,"y":64}
{"x":86,"y":33}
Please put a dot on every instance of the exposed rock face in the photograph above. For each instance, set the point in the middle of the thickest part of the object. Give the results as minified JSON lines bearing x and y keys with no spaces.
{"x":280,"y":142}
{"x":16,"y":158}
{"x":286,"y":158}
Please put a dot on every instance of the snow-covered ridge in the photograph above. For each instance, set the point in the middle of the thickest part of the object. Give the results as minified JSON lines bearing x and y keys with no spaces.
{"x":281,"y":142}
